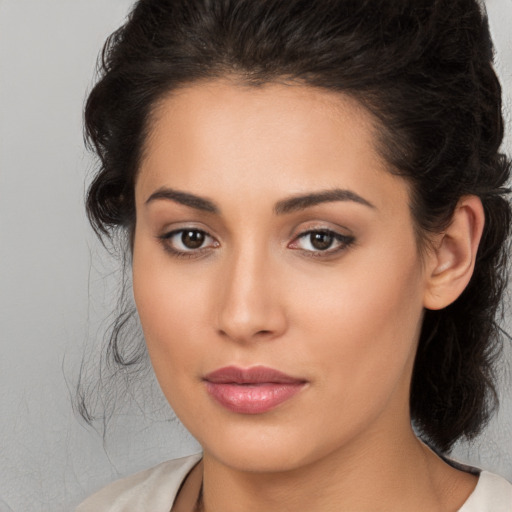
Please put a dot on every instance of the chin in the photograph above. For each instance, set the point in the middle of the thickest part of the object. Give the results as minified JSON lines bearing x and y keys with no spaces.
{"x":266,"y":450}
{"x":259,"y":460}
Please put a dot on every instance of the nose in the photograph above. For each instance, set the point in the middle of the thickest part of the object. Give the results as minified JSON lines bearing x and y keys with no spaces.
{"x":249,"y":304}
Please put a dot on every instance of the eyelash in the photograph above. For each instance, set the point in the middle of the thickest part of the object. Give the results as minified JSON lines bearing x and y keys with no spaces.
{"x":344,"y":242}
{"x":166,"y":240}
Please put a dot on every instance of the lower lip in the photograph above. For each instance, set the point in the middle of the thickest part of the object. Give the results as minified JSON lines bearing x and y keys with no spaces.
{"x":252,"y":398}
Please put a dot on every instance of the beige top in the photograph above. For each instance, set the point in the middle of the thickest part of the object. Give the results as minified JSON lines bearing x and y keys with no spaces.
{"x":155,"y":490}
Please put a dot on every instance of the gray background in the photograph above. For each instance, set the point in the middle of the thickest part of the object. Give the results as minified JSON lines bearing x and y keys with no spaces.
{"x":57,"y":284}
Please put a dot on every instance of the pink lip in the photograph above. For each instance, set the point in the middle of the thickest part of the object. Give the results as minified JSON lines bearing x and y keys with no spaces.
{"x":253,"y":390}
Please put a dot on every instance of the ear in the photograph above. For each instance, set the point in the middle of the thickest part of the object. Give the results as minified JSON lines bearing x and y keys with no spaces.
{"x":450,"y":264}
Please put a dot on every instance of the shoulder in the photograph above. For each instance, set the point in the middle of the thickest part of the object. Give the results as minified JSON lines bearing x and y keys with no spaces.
{"x":492,"y":494}
{"x":153,"y":489}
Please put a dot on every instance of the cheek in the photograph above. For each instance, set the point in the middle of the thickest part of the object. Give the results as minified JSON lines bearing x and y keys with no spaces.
{"x":166,"y":306}
{"x":366,"y":323}
{"x":169,"y":307}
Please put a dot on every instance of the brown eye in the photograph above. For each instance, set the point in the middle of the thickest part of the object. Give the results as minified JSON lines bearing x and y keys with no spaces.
{"x":188,"y":241}
{"x":321,"y":241}
{"x":193,"y":239}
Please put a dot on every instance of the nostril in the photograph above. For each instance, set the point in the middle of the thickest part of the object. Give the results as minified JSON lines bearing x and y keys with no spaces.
{"x":263,"y":333}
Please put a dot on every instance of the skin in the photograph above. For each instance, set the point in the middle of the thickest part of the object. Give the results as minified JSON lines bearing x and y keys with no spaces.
{"x":345,"y":320}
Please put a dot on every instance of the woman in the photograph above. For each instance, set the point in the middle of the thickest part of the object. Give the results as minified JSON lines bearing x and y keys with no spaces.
{"x":317,"y":220}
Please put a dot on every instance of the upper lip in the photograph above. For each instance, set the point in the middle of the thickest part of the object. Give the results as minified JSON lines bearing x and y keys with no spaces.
{"x":253,"y":375}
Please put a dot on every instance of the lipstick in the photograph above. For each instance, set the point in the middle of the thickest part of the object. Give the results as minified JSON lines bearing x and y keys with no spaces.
{"x":253,"y":390}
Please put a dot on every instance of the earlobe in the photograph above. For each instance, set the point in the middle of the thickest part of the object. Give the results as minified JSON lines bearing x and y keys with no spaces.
{"x":451,"y":262}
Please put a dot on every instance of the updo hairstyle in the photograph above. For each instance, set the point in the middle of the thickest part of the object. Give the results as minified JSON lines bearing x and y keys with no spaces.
{"x":422,"y":68}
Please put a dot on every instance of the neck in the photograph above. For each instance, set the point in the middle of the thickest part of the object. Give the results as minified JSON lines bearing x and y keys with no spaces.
{"x":392,"y":474}
{"x":346,"y":480}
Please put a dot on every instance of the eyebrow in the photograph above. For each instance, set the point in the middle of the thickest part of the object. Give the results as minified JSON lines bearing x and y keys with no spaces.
{"x":297,"y":203}
{"x":184,"y":198}
{"x":286,"y":206}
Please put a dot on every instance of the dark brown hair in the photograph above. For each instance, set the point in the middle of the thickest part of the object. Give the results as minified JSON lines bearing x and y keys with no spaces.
{"x":423,"y":68}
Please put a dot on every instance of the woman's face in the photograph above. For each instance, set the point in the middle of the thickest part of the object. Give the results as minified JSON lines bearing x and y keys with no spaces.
{"x":276,"y":273}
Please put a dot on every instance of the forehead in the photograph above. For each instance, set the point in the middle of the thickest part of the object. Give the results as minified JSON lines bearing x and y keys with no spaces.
{"x":222,"y":136}
{"x":219,"y":111}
